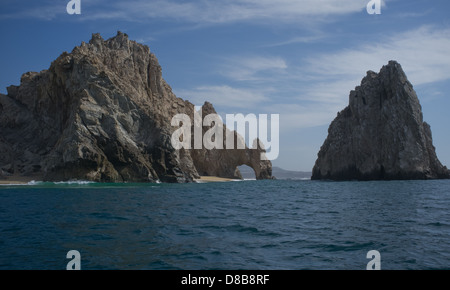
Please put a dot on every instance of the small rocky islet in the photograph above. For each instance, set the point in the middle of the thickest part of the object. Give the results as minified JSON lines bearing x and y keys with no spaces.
{"x":380,"y":135}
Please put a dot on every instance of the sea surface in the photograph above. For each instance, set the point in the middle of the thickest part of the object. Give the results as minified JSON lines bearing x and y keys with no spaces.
{"x":246,"y":225}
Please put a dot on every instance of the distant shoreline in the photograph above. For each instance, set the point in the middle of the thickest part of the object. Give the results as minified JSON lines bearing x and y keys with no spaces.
{"x":21,"y":180}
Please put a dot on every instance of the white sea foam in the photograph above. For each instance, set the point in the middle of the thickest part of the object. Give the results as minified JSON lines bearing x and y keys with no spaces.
{"x":81,"y":182}
{"x":31,"y":183}
{"x":36,"y":183}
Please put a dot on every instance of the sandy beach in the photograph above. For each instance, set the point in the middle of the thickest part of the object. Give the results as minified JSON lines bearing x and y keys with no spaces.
{"x":26,"y":179}
{"x":19,"y":179}
{"x":6,"y":182}
{"x":213,"y":179}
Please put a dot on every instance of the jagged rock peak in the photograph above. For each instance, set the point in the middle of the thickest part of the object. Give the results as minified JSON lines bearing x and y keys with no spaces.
{"x":119,"y":38}
{"x":381,"y":134}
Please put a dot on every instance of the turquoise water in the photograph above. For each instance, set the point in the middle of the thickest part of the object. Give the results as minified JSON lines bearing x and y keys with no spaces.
{"x":255,"y":225}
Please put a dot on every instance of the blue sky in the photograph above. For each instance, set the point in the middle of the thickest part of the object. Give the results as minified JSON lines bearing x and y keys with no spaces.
{"x":296,"y":58}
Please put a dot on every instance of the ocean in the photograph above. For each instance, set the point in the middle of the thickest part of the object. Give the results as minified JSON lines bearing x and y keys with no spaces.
{"x":245,"y":225}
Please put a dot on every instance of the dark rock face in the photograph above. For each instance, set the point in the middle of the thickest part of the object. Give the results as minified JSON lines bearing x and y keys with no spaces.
{"x":102,"y":113}
{"x":380,"y":135}
{"x":208,"y":162}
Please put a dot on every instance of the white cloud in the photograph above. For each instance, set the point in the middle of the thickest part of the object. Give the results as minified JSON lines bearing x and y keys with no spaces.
{"x":254,"y":68}
{"x":423,"y":54}
{"x":296,"y":116}
{"x":311,"y":94}
{"x":329,"y":92}
{"x":227,"y":99}
{"x":319,"y":35}
{"x":199,"y":11}
{"x":224,"y":96}
{"x":204,"y":11}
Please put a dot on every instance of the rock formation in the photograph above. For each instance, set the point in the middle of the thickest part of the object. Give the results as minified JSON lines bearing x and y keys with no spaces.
{"x":380,"y":135}
{"x":103,"y":113}
{"x":208,"y":162}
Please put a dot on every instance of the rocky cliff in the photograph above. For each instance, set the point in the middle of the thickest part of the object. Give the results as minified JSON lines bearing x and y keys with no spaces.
{"x":208,"y":162}
{"x":380,"y":135}
{"x":103,"y":113}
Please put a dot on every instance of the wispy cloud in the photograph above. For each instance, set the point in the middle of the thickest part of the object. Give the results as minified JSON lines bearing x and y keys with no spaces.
{"x":145,"y":39}
{"x":224,"y":96}
{"x":252,"y":68}
{"x":203,"y":11}
{"x":45,"y":11}
{"x":295,"y":116}
{"x":199,"y":11}
{"x":415,"y":14}
{"x":422,"y":52}
{"x":300,"y":39}
{"x":311,"y":93}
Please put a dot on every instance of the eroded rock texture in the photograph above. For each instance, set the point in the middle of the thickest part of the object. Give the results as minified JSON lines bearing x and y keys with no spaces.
{"x":103,"y":113}
{"x":381,"y":135}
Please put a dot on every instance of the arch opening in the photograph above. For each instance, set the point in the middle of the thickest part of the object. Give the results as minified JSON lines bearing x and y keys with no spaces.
{"x":247,"y":172}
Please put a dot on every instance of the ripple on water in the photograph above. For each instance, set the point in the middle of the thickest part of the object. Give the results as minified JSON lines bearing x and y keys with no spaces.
{"x":241,"y":225}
